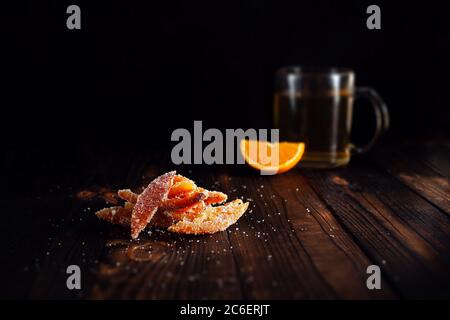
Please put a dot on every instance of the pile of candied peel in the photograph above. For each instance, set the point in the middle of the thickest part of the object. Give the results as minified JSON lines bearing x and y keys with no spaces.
{"x":174,"y":202}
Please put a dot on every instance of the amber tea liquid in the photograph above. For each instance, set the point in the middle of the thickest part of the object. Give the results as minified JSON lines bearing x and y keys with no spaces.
{"x":321,"y":120}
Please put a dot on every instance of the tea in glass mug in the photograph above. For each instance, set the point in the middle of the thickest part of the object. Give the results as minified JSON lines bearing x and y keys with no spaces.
{"x":315,"y":106}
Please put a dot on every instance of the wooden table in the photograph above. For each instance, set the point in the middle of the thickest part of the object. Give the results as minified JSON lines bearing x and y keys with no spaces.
{"x":307,"y":234}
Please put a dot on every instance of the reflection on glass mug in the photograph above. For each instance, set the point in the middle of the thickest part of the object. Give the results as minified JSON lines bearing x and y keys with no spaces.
{"x":315,"y":106}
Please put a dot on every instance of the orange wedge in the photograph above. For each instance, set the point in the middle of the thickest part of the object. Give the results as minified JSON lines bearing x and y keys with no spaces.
{"x":262,"y":155}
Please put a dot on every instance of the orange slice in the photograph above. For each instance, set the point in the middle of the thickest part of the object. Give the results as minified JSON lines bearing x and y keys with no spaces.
{"x":272,"y":158}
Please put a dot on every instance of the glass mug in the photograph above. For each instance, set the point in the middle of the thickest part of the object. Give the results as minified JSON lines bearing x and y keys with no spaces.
{"x":315,"y":106}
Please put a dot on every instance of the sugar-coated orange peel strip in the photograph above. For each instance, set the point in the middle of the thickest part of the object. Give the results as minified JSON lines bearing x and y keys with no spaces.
{"x":214,"y":197}
{"x":149,"y":201}
{"x":186,"y":200}
{"x":127,"y":195}
{"x":215,"y":219}
{"x":116,"y":215}
{"x":189,"y":212}
{"x":180,"y":186}
{"x":174,"y":202}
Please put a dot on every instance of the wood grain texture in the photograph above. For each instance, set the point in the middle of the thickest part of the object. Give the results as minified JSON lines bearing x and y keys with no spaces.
{"x":332,"y":250}
{"x":306,"y":235}
{"x":424,"y":168}
{"x":399,"y":230}
{"x":273,"y":263}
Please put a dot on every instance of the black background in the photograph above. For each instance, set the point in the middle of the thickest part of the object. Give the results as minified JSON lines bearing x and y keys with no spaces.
{"x":139,"y":69}
{"x":73,"y":99}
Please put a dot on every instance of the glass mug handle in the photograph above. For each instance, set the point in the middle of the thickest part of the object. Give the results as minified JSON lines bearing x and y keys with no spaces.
{"x":381,"y":117}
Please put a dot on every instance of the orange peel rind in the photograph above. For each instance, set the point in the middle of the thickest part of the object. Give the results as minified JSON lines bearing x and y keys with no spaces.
{"x":127,"y":195}
{"x":149,"y":201}
{"x":115,"y":215}
{"x":216,"y":219}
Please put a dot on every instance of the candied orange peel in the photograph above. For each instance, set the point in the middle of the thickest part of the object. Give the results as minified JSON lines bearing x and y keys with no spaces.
{"x":174,"y":202}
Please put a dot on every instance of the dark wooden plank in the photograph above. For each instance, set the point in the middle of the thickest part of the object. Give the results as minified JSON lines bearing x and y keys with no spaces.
{"x":25,"y":234}
{"x":424,"y":168}
{"x":404,"y":234}
{"x":285,"y":252}
{"x":434,"y":154}
{"x":307,"y":235}
{"x":76,"y":237}
{"x":165,"y":266}
{"x":271,"y":262}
